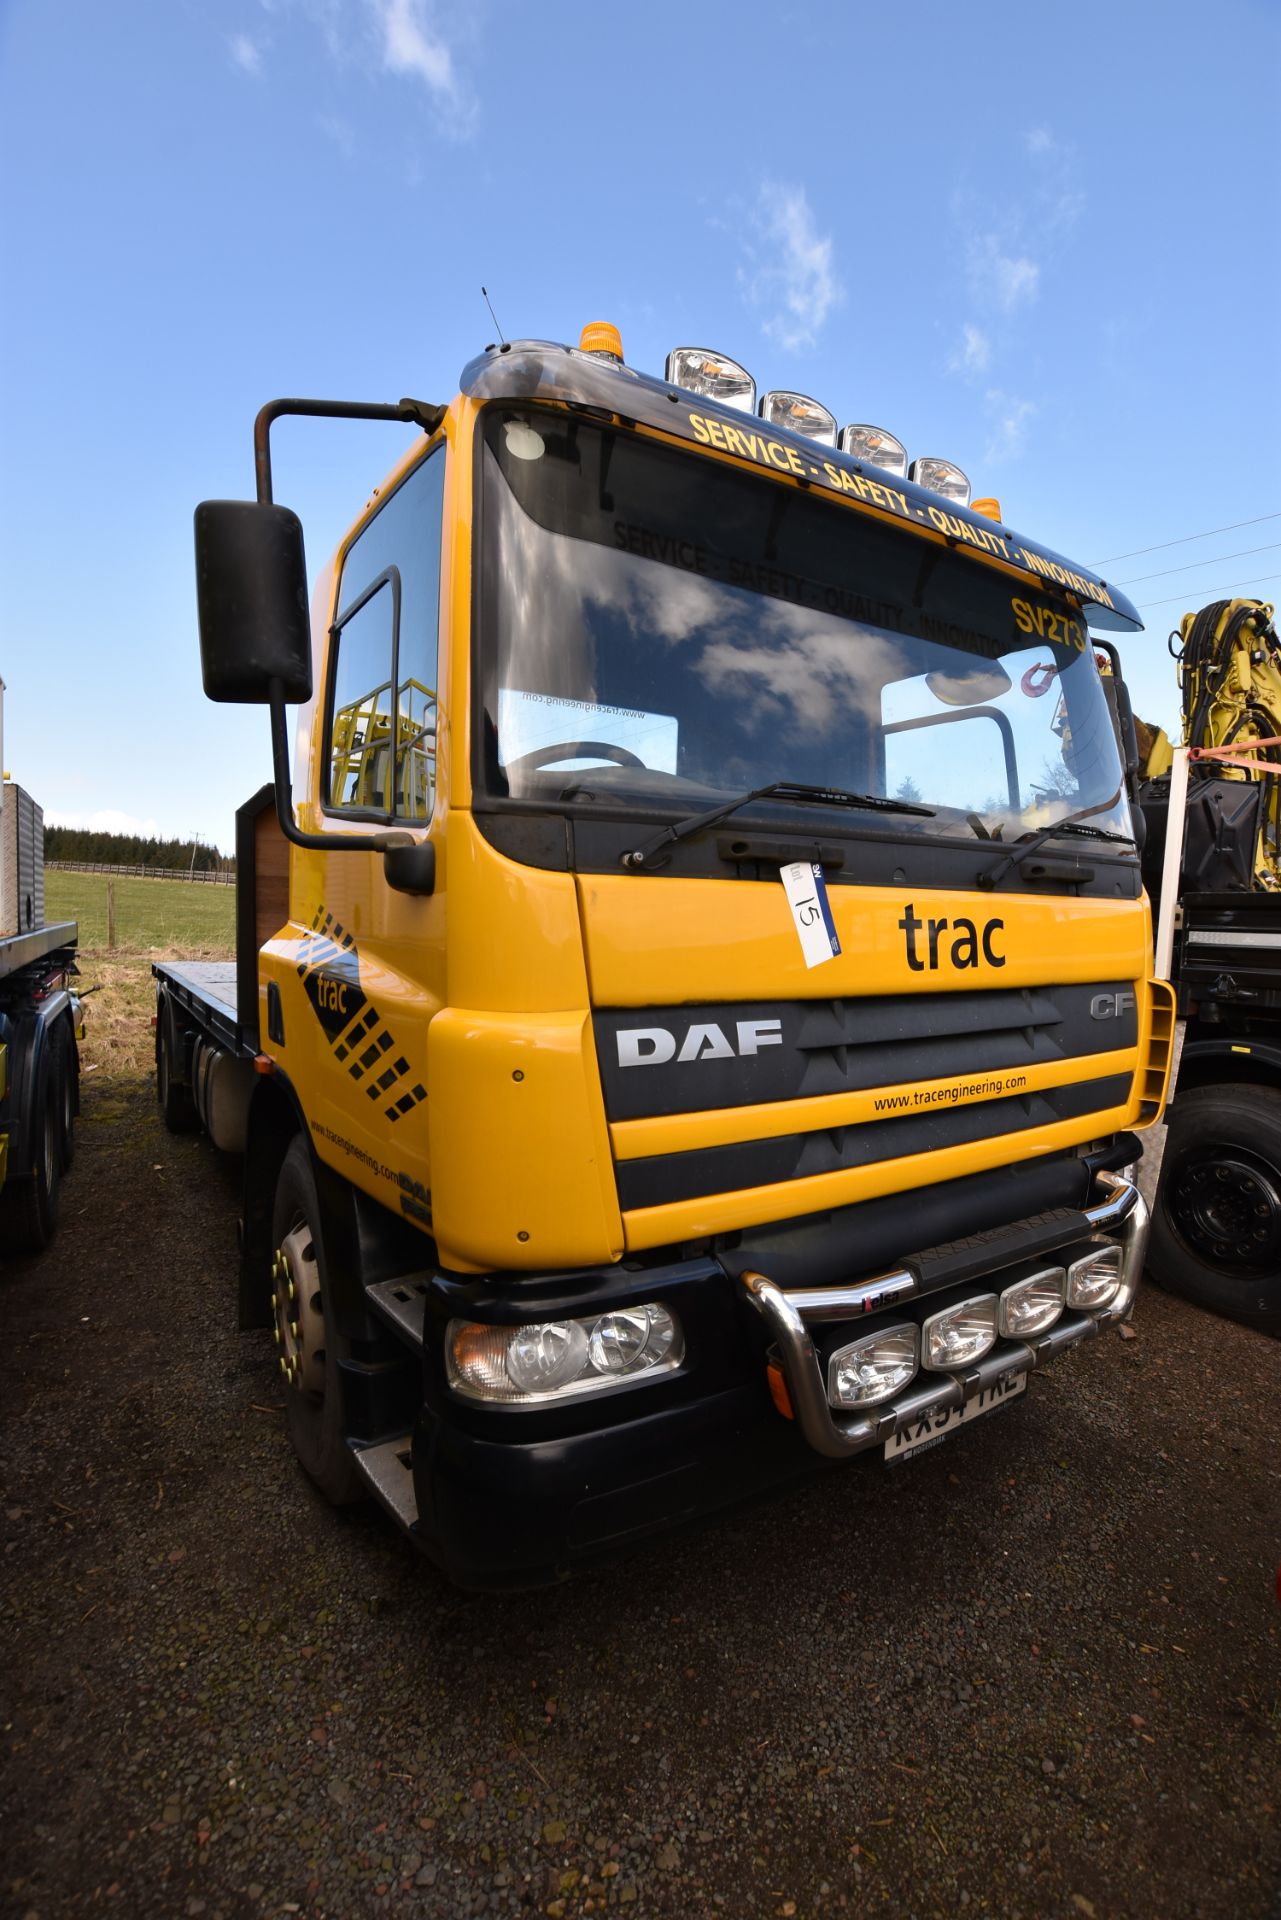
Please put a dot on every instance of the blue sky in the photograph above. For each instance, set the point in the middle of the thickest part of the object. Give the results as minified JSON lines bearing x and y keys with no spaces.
{"x":1040,"y":241}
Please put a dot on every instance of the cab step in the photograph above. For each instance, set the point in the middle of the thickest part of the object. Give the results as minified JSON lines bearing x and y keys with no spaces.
{"x":387,"y":1471}
{"x":401,"y":1304}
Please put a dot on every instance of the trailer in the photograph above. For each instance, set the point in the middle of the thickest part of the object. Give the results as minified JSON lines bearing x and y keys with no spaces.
{"x":40,"y":1027}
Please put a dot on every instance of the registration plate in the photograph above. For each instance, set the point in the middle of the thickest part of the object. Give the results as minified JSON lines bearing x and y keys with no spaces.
{"x":932,"y":1428}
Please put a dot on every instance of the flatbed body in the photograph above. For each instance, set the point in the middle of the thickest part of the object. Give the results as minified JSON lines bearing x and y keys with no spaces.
{"x":19,"y":951}
{"x":207,"y":990}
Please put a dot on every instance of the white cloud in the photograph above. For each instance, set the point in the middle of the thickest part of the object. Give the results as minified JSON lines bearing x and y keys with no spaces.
{"x":1039,"y":140}
{"x":1005,"y":279}
{"x":1008,"y":419}
{"x":973,"y":352}
{"x":789,"y":273}
{"x":246,"y":53}
{"x":106,"y":820}
{"x":410,"y":46}
{"x":403,"y":38}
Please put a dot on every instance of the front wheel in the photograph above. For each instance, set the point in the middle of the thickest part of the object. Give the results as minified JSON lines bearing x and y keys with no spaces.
{"x":1216,"y":1227}
{"x":308,"y":1343}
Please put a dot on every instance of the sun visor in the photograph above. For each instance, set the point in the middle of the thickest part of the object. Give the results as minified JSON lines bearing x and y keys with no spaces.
{"x":540,"y":370}
{"x":1119,"y":617}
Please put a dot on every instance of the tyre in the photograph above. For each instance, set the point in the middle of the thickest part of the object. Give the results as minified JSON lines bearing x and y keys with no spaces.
{"x":63,"y":1067}
{"x":29,"y":1206}
{"x":177,"y":1104}
{"x":1216,"y":1227}
{"x":307,"y":1340}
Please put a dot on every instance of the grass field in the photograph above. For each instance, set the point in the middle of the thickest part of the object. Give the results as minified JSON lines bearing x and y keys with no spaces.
{"x":155,"y":920}
{"x":150,"y":914}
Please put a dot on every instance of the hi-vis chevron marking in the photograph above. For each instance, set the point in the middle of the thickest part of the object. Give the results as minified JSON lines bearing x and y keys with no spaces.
{"x":329,"y":968}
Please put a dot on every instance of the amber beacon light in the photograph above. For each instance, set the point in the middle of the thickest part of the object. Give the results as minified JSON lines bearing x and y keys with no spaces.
{"x":598,"y":336}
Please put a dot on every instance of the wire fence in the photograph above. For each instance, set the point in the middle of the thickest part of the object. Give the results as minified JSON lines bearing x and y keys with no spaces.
{"x":199,"y":876}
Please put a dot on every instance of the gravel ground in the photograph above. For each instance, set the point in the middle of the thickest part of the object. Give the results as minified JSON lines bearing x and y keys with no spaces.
{"x":1034,"y":1672}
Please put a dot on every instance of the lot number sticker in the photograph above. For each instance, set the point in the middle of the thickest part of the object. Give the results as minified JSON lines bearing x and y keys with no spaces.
{"x":806,"y":891}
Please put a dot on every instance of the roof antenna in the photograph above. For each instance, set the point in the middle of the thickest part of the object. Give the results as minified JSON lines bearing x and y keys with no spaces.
{"x":493,"y":316}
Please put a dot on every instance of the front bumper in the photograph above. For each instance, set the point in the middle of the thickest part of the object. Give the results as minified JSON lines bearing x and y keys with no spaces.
{"x":1122,"y":1216}
{"x":507,"y":1497}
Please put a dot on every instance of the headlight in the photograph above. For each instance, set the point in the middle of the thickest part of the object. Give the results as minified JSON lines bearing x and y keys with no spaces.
{"x":878,"y":448}
{"x":1094,"y":1279}
{"x":943,"y":477}
{"x":799,"y":414}
{"x":712,"y":375}
{"x":525,"y":1366}
{"x":873,"y":1368}
{"x":959,"y":1334}
{"x":1032,"y":1305}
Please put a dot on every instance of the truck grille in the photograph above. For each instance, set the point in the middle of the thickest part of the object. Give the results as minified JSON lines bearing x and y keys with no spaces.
{"x":699,"y":1059}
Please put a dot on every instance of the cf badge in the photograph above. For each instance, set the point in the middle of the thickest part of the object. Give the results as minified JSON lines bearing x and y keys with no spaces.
{"x":1111,"y":1006}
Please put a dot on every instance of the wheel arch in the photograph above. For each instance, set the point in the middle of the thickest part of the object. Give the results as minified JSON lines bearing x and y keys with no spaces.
{"x":1228,"y":1062}
{"x":365,"y":1241}
{"x":275,"y":1120}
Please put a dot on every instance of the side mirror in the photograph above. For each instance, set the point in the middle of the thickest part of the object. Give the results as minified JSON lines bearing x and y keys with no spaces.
{"x":409,"y":866}
{"x":251,"y":597}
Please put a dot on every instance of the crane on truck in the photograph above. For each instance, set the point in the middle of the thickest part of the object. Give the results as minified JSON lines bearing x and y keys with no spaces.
{"x":1213,"y":861}
{"x":41,"y":1023}
{"x":693,"y":997}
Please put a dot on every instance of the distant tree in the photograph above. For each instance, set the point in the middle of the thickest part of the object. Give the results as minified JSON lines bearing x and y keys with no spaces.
{"x":130,"y":850}
{"x":909,"y":791}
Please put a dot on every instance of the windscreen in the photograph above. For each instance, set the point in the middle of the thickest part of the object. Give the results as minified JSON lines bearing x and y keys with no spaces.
{"x":656,"y":627}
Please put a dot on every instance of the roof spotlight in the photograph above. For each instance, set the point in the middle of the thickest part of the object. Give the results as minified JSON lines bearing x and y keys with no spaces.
{"x":878,"y":448}
{"x":799,"y":414}
{"x":942,"y":477}
{"x":699,"y":370}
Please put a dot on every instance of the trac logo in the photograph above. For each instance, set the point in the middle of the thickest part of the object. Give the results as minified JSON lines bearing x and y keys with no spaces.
{"x":329,"y":968}
{"x":963,"y":949}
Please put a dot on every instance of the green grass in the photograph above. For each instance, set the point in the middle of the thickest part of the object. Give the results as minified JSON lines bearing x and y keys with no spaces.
{"x":151,"y":916}
{"x":155,"y":919}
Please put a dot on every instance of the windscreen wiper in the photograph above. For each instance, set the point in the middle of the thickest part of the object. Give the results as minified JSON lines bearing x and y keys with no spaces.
{"x":1070,"y":823}
{"x":1091,"y":833}
{"x":649,"y":854}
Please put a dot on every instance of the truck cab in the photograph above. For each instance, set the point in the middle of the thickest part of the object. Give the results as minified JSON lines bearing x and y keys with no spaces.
{"x":704,"y":1027}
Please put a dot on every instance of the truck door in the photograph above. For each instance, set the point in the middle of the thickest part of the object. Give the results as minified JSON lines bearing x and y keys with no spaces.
{"x":371,"y":960}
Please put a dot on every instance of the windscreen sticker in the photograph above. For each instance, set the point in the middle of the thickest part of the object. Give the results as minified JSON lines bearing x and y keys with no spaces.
{"x":1049,"y":625}
{"x":809,"y":466}
{"x":806,"y":891}
{"x":536,"y":724}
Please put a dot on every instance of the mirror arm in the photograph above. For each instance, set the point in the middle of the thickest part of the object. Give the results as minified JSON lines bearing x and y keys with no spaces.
{"x":415,"y":413}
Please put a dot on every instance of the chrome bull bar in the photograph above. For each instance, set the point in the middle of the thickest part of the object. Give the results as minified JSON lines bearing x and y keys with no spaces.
{"x":1122,"y":1216}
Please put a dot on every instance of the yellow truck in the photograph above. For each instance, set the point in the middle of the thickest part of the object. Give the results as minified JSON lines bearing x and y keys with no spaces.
{"x":692,"y":998}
